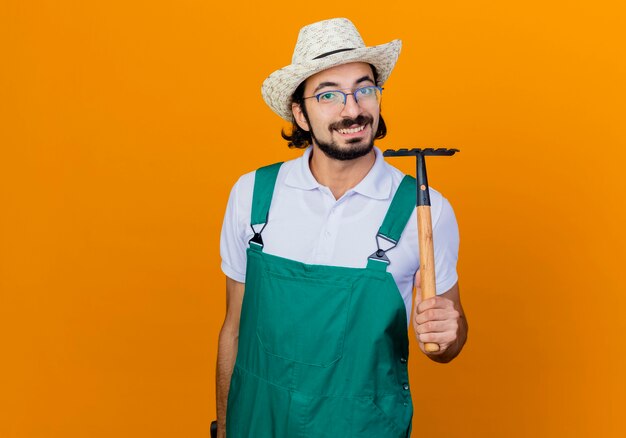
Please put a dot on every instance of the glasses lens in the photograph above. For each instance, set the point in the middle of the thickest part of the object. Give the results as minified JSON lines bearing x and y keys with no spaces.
{"x":368,"y":94}
{"x":330,"y":97}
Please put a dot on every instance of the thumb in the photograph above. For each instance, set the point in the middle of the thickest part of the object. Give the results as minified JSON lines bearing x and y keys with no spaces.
{"x":418,"y":291}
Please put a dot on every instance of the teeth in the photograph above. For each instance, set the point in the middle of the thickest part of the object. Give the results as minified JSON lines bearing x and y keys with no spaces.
{"x":352,"y":130}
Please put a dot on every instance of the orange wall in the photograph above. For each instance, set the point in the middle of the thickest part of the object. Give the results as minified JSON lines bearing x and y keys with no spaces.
{"x":123,"y":126}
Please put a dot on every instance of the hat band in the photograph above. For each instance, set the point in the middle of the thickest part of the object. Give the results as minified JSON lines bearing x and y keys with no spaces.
{"x":324,"y":55}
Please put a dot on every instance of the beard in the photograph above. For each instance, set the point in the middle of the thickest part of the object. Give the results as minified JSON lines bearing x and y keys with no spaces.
{"x":356,"y":147}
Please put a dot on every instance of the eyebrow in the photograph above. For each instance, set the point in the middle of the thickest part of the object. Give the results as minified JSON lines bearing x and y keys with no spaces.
{"x":335,"y":84}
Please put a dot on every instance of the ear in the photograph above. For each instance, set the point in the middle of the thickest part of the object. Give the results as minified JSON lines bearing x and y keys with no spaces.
{"x":298,"y":116}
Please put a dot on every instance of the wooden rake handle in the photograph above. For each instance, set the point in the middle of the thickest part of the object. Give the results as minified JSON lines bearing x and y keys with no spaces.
{"x":427,"y":260}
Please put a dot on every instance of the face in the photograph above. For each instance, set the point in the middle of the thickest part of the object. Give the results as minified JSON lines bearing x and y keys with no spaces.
{"x":342,"y":132}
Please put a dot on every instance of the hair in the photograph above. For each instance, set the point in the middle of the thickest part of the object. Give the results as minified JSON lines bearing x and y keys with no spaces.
{"x":300,"y":138}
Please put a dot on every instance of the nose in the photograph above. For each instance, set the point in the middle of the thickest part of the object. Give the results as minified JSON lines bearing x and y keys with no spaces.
{"x":351,"y":108}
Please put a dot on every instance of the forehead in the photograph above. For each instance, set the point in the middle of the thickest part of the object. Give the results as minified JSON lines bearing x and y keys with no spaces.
{"x":345,"y":76}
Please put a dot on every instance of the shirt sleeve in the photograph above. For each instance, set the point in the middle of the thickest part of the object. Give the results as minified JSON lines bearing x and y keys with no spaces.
{"x":232,"y":239}
{"x":446,"y":246}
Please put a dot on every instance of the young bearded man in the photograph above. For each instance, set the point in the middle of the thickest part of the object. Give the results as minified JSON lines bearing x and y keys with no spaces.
{"x":314,"y":343}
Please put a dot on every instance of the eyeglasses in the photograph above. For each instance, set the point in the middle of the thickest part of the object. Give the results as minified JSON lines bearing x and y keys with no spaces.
{"x":364,"y":95}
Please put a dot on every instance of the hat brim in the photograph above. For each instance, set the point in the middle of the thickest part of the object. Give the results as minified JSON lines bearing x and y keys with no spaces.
{"x":280,"y":85}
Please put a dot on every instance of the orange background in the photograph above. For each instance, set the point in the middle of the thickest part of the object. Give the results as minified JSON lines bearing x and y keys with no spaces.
{"x":123,"y":126}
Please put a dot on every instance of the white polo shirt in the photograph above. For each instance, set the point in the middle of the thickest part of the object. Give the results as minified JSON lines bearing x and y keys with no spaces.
{"x":307,"y":224}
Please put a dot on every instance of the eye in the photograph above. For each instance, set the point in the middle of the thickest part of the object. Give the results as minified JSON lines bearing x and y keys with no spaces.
{"x":367,"y":91}
{"x":329,"y":96}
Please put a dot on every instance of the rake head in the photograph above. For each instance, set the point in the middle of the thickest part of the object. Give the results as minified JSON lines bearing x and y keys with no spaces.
{"x":423,"y":196}
{"x":415,"y":151}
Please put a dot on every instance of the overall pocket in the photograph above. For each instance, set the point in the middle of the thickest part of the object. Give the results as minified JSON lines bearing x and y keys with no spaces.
{"x":303,"y":319}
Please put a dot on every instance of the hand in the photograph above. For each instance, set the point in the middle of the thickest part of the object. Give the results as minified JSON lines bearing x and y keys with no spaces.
{"x":434,"y":320}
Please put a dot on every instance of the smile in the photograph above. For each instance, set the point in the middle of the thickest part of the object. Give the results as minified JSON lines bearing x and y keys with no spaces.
{"x":351,"y":130}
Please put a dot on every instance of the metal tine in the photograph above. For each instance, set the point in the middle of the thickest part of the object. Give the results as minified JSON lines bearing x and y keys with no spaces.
{"x":440,"y":151}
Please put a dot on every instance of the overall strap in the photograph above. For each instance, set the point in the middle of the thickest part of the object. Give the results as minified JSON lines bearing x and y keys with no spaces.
{"x":398,"y":214}
{"x":264,"y":182}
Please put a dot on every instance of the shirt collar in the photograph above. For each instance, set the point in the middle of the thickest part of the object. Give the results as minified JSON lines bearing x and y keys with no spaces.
{"x":300,"y":175}
{"x":376,"y":184}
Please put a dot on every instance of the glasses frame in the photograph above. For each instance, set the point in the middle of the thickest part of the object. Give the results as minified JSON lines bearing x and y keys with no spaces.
{"x":345,"y":95}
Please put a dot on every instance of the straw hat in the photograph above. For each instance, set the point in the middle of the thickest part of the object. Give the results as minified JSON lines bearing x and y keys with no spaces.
{"x":321,"y":46}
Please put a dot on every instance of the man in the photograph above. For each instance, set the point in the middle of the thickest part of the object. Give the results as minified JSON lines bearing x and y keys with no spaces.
{"x":317,"y":345}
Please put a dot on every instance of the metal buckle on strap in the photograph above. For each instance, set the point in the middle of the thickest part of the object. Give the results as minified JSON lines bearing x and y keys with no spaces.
{"x":380,"y":254}
{"x":257,"y":239}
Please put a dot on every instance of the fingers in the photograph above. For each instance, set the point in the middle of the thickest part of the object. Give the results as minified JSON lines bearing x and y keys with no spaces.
{"x":434,"y":327}
{"x":436,"y":315}
{"x":418,"y":290}
{"x":442,"y":339}
{"x":438,"y":332}
{"x":436,"y":302}
{"x":436,"y":320}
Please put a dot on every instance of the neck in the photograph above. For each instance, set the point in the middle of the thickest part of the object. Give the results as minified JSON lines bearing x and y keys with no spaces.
{"x":339,"y":176}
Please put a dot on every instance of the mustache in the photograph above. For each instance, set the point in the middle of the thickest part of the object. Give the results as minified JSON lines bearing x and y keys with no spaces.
{"x":361,"y":119}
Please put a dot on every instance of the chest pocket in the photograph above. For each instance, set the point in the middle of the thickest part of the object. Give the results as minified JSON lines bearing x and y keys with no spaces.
{"x":303,"y":319}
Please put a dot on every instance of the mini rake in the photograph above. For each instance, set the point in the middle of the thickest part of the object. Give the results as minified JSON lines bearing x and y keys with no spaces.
{"x":424,"y":222}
